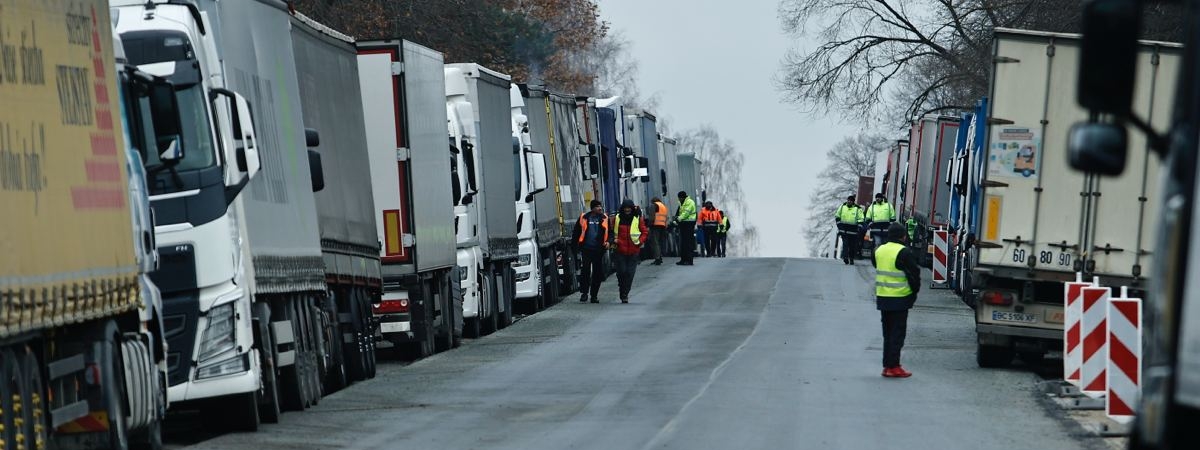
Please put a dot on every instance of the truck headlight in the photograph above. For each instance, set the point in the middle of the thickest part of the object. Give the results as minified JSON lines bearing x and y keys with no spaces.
{"x":522,"y":276}
{"x":236,"y":364}
{"x":462,"y":273}
{"x":219,"y":334}
{"x":523,"y":260}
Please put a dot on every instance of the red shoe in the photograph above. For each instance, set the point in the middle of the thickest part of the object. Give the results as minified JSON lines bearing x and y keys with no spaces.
{"x":887,"y":372}
{"x":899,"y":372}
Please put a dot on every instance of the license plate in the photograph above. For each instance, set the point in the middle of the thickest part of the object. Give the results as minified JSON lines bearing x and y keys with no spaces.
{"x":1055,"y":317}
{"x":1005,"y":316}
{"x":395,"y":327}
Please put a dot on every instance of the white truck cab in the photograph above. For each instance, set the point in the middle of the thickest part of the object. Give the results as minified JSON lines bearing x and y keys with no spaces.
{"x":533,"y":179}
{"x":206,"y":288}
{"x":463,"y":141}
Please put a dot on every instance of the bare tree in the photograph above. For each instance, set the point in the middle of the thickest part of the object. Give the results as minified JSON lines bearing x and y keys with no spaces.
{"x":900,"y":58}
{"x":721,"y":170}
{"x":849,"y":159}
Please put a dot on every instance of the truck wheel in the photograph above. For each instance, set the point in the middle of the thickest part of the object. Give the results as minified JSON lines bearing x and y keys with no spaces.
{"x":471,"y":328}
{"x":487,"y":293}
{"x":336,"y":377}
{"x":312,"y":331}
{"x":10,"y":384}
{"x":354,"y":352}
{"x":233,"y":413}
{"x":292,"y":379}
{"x":269,"y":405}
{"x":446,"y":339}
{"x":992,"y":356}
{"x":34,"y":413}
{"x":114,"y":395}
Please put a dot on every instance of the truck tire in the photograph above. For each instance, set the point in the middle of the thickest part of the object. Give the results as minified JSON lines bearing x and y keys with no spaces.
{"x":993,"y":356}
{"x":355,"y":354}
{"x":427,"y":337}
{"x":293,"y":379}
{"x":269,"y":406}
{"x":336,"y":375}
{"x":10,"y":384}
{"x":487,"y":293}
{"x":508,"y":293}
{"x":37,"y":431}
{"x":446,"y":338}
{"x":312,"y":338}
{"x":233,"y":413}
{"x":114,"y":393}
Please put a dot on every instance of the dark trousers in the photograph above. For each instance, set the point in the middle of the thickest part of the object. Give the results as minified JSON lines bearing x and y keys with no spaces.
{"x":687,"y":241}
{"x":710,"y":240}
{"x":626,"y":266}
{"x":895,"y":326}
{"x":658,"y":242}
{"x":850,"y":240}
{"x":721,"y":244}
{"x":592,"y":272}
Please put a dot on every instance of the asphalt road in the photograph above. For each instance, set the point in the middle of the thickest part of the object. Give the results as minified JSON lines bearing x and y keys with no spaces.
{"x":730,"y":353}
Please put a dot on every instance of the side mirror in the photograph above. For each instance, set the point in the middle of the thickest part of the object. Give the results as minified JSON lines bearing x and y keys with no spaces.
{"x":312,"y":137}
{"x":589,"y":167}
{"x":537,"y":168}
{"x":627,"y":166}
{"x":241,"y":148}
{"x":591,"y":149}
{"x":247,"y":150}
{"x":173,"y":153}
{"x":316,"y":171}
{"x":1108,"y":56}
{"x":1098,"y":148}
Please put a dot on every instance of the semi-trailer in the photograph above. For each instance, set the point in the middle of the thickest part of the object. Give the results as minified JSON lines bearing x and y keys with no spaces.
{"x":82,"y":348}
{"x":1039,"y":222}
{"x":403,"y":103}
{"x":489,"y":114}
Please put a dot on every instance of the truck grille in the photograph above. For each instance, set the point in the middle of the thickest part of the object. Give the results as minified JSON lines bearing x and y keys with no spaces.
{"x":181,"y":311}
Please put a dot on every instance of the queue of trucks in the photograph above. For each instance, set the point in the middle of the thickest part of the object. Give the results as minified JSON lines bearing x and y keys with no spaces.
{"x":244,"y":207}
{"x":1020,"y":222}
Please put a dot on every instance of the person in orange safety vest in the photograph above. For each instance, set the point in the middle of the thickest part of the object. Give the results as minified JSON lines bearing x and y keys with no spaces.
{"x":658,"y":229}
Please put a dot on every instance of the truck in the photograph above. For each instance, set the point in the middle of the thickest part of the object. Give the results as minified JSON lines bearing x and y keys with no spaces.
{"x":480,"y":100}
{"x":612,"y":154}
{"x":645,"y":181}
{"x":926,"y":194}
{"x":550,"y":237}
{"x":82,"y":348}
{"x":966,"y":169}
{"x":1039,"y":222}
{"x":532,"y":266}
{"x":577,"y":165}
{"x":326,"y":64}
{"x":404,"y":106}
{"x":668,"y":149}
{"x":588,"y":118}
{"x":1116,"y":73}
{"x":212,"y":353}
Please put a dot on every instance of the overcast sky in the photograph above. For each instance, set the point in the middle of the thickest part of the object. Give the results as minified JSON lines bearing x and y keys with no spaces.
{"x":713,"y":61}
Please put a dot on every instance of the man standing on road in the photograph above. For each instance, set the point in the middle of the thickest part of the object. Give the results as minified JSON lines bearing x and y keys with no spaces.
{"x":880,"y":214}
{"x":897,"y":281}
{"x":686,"y":216}
{"x":722,"y":233}
{"x":849,"y":218}
{"x":591,"y":237}
{"x":630,"y":235}
{"x":658,"y":229}
{"x":709,"y":219}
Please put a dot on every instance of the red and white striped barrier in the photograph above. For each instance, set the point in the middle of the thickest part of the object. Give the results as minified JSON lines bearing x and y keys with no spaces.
{"x":1124,"y":356}
{"x":1094,"y":329}
{"x":940,"y":238}
{"x":1072,"y":312}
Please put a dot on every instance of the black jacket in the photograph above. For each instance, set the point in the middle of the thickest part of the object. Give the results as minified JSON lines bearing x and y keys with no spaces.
{"x":906,"y":261}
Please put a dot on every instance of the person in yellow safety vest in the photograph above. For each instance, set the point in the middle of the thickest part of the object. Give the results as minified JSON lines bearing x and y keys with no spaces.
{"x":591,"y":238}
{"x":879,"y":215}
{"x":849,"y":218}
{"x":722,"y":232}
{"x":658,"y":229}
{"x":686,"y":217}
{"x":897,"y":282}
{"x":629,"y":234}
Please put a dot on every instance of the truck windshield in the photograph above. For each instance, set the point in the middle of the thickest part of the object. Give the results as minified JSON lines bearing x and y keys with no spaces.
{"x":159,"y":47}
